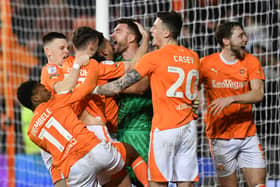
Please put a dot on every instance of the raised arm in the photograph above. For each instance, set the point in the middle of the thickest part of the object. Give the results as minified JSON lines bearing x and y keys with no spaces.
{"x":90,"y":82}
{"x":69,"y":82}
{"x":143,"y":48}
{"x":141,"y":86}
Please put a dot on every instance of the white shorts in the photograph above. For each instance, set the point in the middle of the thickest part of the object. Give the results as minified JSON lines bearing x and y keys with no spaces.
{"x":233,"y":153}
{"x":172,"y":154}
{"x":47,"y":158}
{"x":101,"y":162}
{"x":101,"y":132}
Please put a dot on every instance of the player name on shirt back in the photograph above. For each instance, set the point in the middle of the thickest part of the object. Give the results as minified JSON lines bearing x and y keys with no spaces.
{"x":43,"y":117}
{"x":183,"y":59}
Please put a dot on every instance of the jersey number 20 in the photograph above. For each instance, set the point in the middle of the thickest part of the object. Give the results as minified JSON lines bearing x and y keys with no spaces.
{"x":193,"y":74}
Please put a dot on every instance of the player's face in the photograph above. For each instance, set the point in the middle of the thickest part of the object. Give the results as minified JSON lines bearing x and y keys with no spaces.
{"x":120,"y":38}
{"x":157,"y":32}
{"x":108,"y":50}
{"x":57,"y":51}
{"x":238,"y":42}
{"x":42,"y":94}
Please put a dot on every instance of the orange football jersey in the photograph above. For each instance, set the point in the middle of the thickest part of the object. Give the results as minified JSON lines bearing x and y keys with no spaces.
{"x":173,"y":72}
{"x":223,"y":80}
{"x":56,"y":129}
{"x":99,"y":104}
{"x":51,"y":74}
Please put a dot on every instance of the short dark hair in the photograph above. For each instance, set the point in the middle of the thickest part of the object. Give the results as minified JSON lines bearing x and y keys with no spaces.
{"x":224,"y":30}
{"x":25,"y":92}
{"x":51,"y":36}
{"x":83,"y":35}
{"x":132,"y":27}
{"x":173,"y":21}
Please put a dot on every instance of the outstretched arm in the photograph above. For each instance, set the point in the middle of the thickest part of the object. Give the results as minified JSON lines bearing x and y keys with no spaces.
{"x":115,"y":87}
{"x":138,"y":88}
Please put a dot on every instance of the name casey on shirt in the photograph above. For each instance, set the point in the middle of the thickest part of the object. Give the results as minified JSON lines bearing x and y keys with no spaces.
{"x":183,"y":59}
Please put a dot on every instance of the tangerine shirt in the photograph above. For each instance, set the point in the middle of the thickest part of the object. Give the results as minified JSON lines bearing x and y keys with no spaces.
{"x":107,"y":105}
{"x":223,"y":80}
{"x":56,"y":129}
{"x":173,"y":72}
{"x":51,"y":74}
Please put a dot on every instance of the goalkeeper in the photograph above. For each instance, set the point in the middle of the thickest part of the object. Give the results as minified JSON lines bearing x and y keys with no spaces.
{"x":135,"y":111}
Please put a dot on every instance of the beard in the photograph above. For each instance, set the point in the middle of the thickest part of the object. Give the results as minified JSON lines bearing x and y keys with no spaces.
{"x":239,"y":52}
{"x":119,"y":48}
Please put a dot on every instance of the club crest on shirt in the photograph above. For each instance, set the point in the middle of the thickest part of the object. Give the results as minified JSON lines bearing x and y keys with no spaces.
{"x":242,"y":71}
{"x":52,"y":69}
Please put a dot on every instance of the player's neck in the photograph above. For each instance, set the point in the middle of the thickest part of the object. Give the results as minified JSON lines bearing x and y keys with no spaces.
{"x":228,"y":55}
{"x":53,"y":62}
{"x":35,"y":105}
{"x":79,"y":53}
{"x":129,"y":53}
{"x":168,"y":41}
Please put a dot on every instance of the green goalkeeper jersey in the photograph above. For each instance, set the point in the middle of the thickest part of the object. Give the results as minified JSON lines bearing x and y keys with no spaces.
{"x":135,"y":119}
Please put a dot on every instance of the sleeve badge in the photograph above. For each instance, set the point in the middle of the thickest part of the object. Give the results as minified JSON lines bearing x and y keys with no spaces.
{"x":52,"y":69}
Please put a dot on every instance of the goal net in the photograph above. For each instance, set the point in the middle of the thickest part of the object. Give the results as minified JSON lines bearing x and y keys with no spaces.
{"x":21,"y":58}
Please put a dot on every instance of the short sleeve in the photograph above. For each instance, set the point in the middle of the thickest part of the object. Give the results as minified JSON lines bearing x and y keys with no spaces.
{"x":255,"y":69}
{"x":145,"y":65}
{"x":50,"y":75}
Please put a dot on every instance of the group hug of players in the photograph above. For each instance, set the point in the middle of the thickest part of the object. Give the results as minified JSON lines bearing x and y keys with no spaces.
{"x":75,"y":112}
